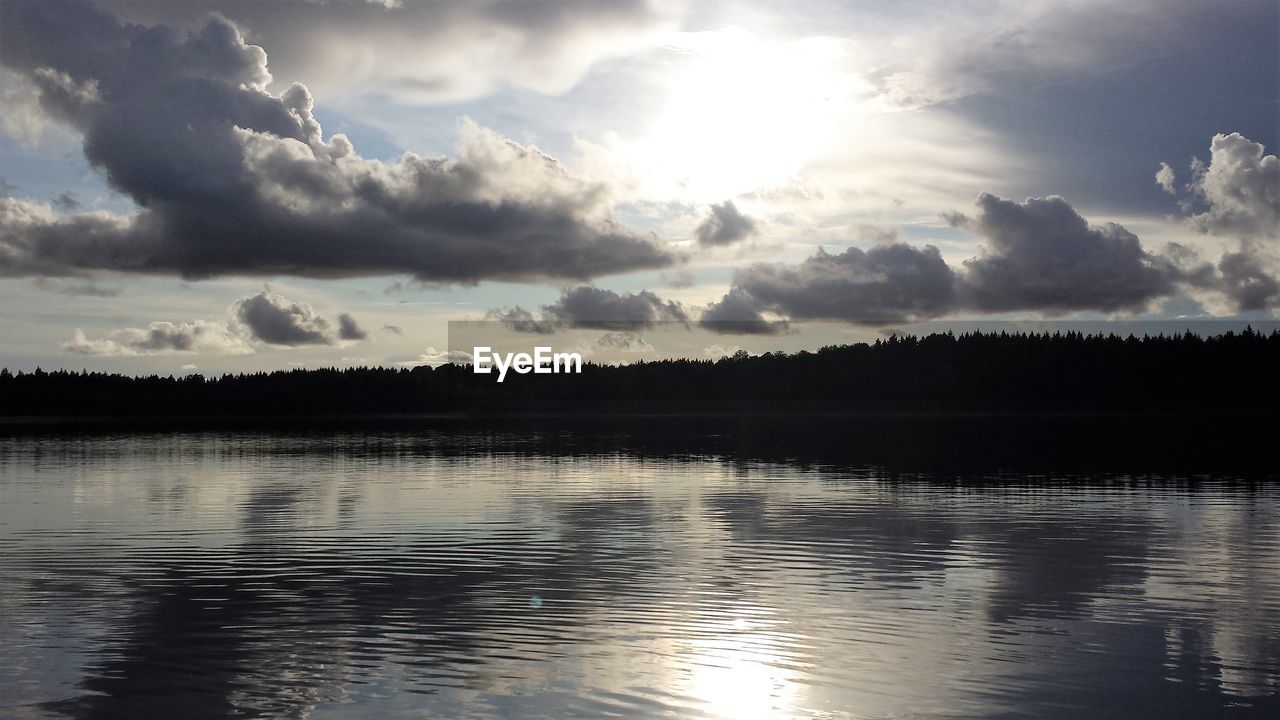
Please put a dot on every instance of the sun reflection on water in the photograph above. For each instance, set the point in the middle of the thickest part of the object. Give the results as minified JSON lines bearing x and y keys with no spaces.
{"x":739,"y":668}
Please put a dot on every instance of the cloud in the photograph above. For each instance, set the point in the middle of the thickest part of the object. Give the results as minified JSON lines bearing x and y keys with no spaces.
{"x":162,"y":338}
{"x":433,"y":357}
{"x":625,"y":313}
{"x":716,"y":352}
{"x":737,"y":313}
{"x":1237,"y":194}
{"x":871,"y":233}
{"x":274,"y":320}
{"x":262,"y":318}
{"x":349,"y":330}
{"x":1166,"y":178}
{"x":66,"y":201}
{"x":1037,"y":255}
{"x":1187,"y":266}
{"x":76,"y":289}
{"x":1247,"y":280}
{"x":960,"y":49}
{"x":20,"y":114}
{"x":887,"y":283}
{"x":437,"y":51}
{"x":517,"y":319}
{"x":595,"y":308}
{"x":624,"y":341}
{"x":1239,"y":189}
{"x":1040,"y":254}
{"x":231,"y":179}
{"x":678,"y":279}
{"x":724,"y":225}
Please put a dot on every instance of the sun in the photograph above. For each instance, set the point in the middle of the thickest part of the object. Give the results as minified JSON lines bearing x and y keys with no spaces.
{"x":745,"y":113}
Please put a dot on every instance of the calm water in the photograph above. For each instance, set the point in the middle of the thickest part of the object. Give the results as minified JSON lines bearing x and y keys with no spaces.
{"x":395,"y":575}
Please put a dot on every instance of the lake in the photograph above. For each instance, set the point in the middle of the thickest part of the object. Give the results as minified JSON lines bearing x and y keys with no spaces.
{"x":393,"y":572}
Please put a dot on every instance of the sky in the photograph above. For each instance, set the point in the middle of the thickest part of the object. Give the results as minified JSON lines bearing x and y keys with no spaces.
{"x":220,"y":186}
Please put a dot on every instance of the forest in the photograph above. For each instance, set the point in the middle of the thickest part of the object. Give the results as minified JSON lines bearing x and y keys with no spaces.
{"x":1232,"y":373}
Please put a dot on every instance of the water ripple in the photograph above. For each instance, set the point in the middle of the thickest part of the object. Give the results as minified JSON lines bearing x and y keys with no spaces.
{"x":213,"y":575}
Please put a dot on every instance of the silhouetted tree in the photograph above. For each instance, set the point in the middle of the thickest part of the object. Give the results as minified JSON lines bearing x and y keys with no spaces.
{"x":971,"y":372}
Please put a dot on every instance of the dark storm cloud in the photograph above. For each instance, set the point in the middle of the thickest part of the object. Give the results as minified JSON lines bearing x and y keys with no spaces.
{"x":1042,"y":255}
{"x":986,"y":49}
{"x":1091,"y":96}
{"x":724,"y":225}
{"x":274,"y":320}
{"x":1186,"y":266}
{"x":348,"y":329}
{"x":1247,"y":281}
{"x":737,"y":313}
{"x":595,"y":308}
{"x":1038,"y":255}
{"x":887,"y":283}
{"x":231,"y":179}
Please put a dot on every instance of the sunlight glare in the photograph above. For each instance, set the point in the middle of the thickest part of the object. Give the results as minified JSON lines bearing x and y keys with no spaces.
{"x":746,"y":113}
{"x":741,"y":675}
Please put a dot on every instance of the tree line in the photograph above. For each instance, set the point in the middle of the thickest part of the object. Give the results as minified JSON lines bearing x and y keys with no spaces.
{"x":1232,"y":372}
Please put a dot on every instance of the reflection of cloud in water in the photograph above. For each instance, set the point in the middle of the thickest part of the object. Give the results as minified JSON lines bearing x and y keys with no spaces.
{"x":1216,"y":559}
{"x":222,"y":575}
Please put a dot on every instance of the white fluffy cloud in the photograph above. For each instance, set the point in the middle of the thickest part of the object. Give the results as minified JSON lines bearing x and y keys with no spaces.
{"x":1166,"y":178}
{"x":163,"y":338}
{"x":1237,"y":195}
{"x":1239,"y":189}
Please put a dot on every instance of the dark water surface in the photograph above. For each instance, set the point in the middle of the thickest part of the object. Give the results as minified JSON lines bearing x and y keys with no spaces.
{"x":394,"y":574}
